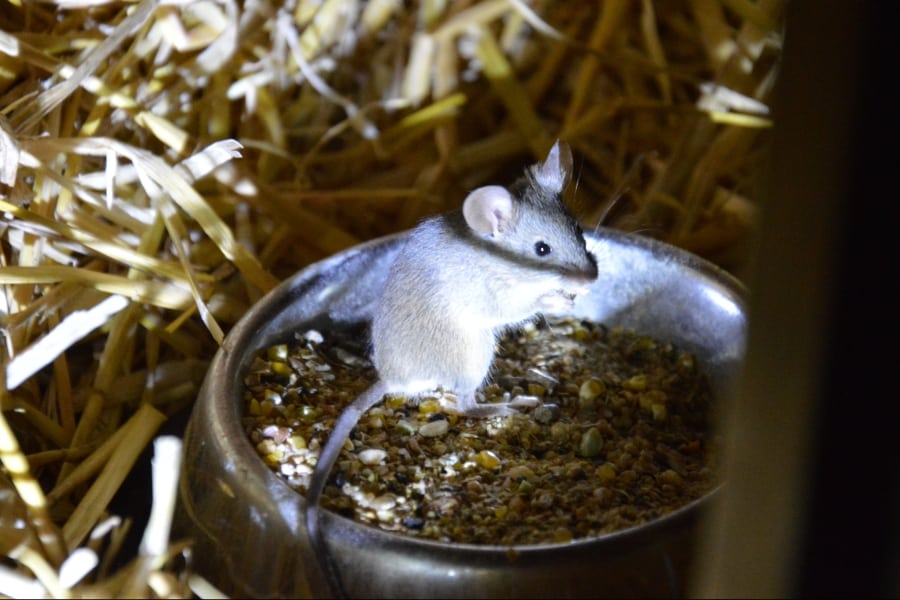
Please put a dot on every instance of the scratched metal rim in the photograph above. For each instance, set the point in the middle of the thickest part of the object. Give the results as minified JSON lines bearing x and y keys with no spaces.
{"x":248,"y":524}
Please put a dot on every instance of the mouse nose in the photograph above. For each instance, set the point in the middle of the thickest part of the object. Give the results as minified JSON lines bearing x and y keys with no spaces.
{"x":589,"y":268}
{"x":585,"y":272}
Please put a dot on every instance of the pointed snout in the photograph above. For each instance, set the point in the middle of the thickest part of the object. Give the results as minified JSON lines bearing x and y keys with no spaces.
{"x":585,"y":272}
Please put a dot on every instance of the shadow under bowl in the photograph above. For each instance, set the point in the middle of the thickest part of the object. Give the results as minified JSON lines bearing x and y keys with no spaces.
{"x":248,"y":525}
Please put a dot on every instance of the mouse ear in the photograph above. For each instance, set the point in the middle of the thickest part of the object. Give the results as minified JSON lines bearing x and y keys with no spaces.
{"x":553,"y":174}
{"x":489,"y":210}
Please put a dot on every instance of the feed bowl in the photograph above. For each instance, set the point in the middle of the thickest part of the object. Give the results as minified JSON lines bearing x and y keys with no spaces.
{"x":248,"y":525}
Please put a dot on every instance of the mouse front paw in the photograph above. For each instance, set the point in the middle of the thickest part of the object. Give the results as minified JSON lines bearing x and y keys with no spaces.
{"x":556,"y":301}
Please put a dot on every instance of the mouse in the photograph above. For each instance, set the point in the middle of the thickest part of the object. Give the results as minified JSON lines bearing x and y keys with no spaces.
{"x":459,"y":281}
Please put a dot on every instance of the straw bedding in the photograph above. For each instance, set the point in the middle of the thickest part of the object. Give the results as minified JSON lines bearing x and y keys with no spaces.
{"x":163,"y":164}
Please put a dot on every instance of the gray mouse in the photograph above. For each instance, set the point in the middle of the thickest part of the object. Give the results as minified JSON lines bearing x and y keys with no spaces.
{"x":460,"y":280}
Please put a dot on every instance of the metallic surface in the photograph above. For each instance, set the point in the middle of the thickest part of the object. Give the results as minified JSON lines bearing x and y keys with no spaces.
{"x":248,"y":525}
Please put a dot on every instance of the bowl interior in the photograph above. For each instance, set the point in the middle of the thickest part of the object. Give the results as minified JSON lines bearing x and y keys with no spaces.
{"x":242,"y":515}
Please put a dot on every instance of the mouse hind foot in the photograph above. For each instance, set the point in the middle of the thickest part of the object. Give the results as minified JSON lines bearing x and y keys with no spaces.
{"x":468,"y":406}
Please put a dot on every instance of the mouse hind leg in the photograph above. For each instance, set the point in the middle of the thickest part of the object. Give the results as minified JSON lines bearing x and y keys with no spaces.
{"x":477,"y":357}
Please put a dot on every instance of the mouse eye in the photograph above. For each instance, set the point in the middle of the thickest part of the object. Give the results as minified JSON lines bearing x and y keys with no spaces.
{"x":542,"y":248}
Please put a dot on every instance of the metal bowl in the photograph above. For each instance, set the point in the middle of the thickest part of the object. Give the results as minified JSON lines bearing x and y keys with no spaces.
{"x":248,"y":525}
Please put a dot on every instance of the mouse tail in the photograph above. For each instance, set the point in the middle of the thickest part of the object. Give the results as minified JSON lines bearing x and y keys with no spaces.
{"x":328,"y":455}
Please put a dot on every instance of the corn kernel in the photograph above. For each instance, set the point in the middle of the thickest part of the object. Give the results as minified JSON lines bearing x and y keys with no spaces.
{"x":590,"y":389}
{"x":638,"y":383}
{"x":487,"y":459}
{"x":605,"y":472}
{"x":277,"y":353}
